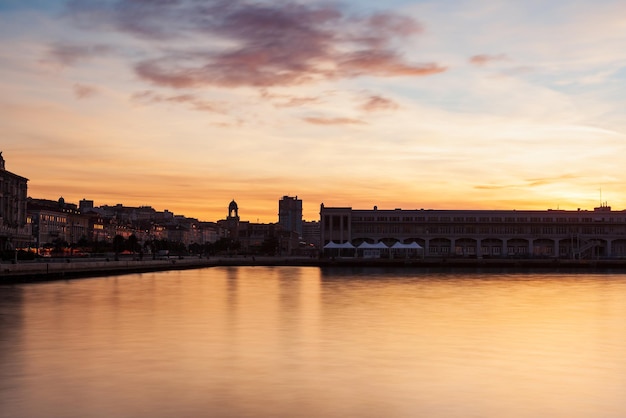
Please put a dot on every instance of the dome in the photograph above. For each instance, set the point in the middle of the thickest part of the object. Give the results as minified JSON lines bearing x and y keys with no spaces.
{"x":232,"y":206}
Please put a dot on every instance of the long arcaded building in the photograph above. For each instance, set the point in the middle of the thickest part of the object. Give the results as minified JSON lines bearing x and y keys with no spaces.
{"x":600,"y":233}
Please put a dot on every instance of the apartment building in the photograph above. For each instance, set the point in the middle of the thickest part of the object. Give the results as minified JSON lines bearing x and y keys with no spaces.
{"x":15,"y":228}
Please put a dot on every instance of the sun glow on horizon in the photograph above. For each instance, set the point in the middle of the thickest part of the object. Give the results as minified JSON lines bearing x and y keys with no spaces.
{"x":382,"y":107}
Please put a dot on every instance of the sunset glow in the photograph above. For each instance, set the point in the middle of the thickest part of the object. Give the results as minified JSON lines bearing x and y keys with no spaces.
{"x":186,"y":105}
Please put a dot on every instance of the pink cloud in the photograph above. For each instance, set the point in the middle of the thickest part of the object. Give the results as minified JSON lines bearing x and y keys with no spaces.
{"x":376,"y":103}
{"x":485,"y":59}
{"x":261,"y":44}
{"x":285,"y":100}
{"x":194,"y":102}
{"x":84,"y":91}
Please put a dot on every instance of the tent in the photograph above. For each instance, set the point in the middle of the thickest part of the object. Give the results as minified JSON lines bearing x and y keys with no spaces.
{"x":413,"y":246}
{"x":333,"y":244}
{"x":336,"y":246}
{"x":372,"y":250}
{"x":400,"y":246}
{"x":366,"y":245}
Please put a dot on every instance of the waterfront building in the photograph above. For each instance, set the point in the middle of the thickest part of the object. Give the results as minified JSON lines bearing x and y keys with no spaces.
{"x":15,"y":228}
{"x":56,"y":223}
{"x":258,"y":237}
{"x":600,"y":233}
{"x":290,"y":214}
{"x":210,"y":232}
{"x":311,"y":233}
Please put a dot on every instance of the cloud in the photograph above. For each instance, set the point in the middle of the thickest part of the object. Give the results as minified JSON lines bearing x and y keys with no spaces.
{"x":485,"y":59}
{"x":376,"y":103}
{"x":237,"y":43}
{"x":528,"y":183}
{"x":84,"y":91}
{"x":194,"y":102}
{"x":71,"y":54}
{"x":333,"y":121}
{"x":285,"y":100}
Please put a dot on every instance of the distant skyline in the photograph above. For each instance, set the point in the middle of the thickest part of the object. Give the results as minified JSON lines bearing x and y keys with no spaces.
{"x":185,"y":105}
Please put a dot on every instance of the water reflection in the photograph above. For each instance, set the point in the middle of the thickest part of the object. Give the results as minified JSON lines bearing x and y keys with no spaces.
{"x":267,"y":342}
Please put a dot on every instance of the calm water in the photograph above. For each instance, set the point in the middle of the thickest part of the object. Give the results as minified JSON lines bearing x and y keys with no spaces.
{"x":287,"y":342}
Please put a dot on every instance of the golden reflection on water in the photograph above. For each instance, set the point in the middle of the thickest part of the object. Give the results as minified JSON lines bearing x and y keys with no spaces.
{"x":267,"y":342}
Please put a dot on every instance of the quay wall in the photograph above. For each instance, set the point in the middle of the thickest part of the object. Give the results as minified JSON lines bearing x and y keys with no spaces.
{"x":43,"y":271}
{"x":25,"y":272}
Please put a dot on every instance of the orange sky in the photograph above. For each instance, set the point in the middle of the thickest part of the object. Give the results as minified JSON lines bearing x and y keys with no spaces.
{"x":414,"y":104}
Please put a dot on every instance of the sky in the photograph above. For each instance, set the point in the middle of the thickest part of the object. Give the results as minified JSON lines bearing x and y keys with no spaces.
{"x":185,"y":105}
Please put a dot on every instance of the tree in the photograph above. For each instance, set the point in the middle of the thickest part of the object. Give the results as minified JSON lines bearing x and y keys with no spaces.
{"x":132,"y":244}
{"x":225,"y":244}
{"x":118,"y":245}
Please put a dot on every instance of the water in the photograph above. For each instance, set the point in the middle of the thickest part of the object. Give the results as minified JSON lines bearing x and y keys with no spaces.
{"x":302,"y":342}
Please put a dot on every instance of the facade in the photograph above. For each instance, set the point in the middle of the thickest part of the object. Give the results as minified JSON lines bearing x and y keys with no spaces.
{"x":56,"y":222}
{"x":15,"y":228}
{"x":290,"y":214}
{"x":311,"y":233}
{"x":600,"y":233}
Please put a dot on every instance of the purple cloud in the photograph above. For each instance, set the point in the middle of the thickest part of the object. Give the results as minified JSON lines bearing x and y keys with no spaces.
{"x":194,"y":102}
{"x":70,"y":54}
{"x":236,"y":43}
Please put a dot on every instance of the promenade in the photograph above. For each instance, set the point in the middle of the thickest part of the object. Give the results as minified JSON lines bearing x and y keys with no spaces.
{"x":60,"y":269}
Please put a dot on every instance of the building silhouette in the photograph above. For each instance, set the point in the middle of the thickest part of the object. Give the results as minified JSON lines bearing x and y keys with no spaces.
{"x":483,"y":233}
{"x":258,"y":238}
{"x":311,"y":233}
{"x":290,"y":214}
{"x":15,"y":229}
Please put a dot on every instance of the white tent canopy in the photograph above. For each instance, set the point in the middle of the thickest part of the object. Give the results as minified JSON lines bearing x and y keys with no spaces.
{"x":377,"y":246}
{"x":345,"y":245}
{"x":400,"y":246}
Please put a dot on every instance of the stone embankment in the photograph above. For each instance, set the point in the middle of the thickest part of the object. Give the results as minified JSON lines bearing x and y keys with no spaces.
{"x":44,"y":270}
{"x":74,"y":268}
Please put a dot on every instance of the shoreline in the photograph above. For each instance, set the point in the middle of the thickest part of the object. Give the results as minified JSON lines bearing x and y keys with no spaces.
{"x":32,"y":272}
